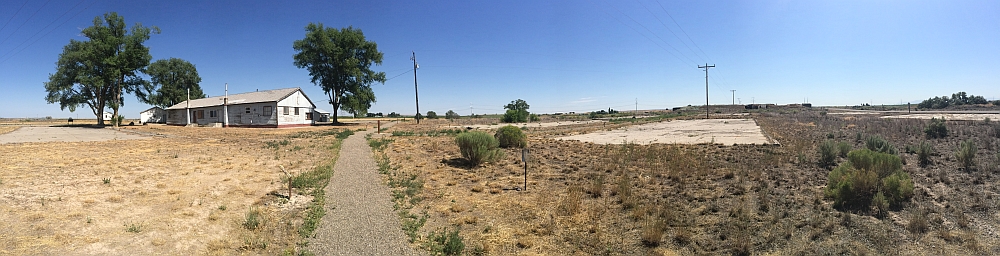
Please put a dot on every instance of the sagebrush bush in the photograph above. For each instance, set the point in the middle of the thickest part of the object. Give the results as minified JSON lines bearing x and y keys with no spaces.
{"x":966,"y":154}
{"x":445,"y":242}
{"x":924,"y":152}
{"x":936,"y":129}
{"x":898,"y":188}
{"x":879,"y":144}
{"x":869,"y":179}
{"x":478,"y":147}
{"x":827,"y":153}
{"x":844,"y":148}
{"x":511,"y":137}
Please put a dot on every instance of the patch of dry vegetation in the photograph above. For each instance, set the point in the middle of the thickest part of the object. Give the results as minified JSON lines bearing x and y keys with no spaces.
{"x":584,"y":198}
{"x":188,"y":191}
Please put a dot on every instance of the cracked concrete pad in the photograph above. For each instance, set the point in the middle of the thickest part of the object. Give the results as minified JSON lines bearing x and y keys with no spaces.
{"x":720,"y":131}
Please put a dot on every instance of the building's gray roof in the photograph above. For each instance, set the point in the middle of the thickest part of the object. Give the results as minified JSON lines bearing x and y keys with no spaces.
{"x":150,"y":109}
{"x":241,"y":98}
{"x":321,"y":111}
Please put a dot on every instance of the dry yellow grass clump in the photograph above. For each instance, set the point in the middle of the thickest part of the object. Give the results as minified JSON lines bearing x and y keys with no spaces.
{"x":186,"y":191}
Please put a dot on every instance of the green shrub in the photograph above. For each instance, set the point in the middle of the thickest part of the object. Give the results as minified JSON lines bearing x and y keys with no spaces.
{"x":878,"y":144}
{"x":844,"y":148}
{"x":533,"y":118}
{"x":478,"y":147}
{"x":869,"y":179}
{"x":515,"y":116}
{"x":898,"y":188}
{"x":445,"y":243}
{"x":340,"y":135}
{"x":924,"y":152}
{"x":883,"y":164}
{"x":432,"y":115}
{"x":881,"y":204}
{"x":511,"y":137}
{"x":966,"y":154}
{"x":827,"y":153}
{"x":936,"y":129}
{"x":451,"y":115}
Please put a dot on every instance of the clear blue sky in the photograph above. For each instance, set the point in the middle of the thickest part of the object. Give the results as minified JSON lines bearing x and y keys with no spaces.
{"x":559,"y":56}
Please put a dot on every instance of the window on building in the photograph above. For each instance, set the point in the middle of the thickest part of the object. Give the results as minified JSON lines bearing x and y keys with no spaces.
{"x":285,"y":109}
{"x":267,"y":110}
{"x":212,"y":113}
{"x":248,"y":110}
{"x":309,"y":116}
{"x":296,"y":111}
{"x":200,"y":114}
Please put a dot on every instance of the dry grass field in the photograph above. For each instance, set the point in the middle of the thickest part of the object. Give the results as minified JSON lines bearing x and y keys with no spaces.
{"x":665,"y":199}
{"x":186,"y":191}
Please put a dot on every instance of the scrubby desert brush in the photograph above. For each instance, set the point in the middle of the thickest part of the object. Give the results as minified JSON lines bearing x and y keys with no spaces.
{"x":478,"y":147}
{"x":966,"y":154}
{"x":924,"y":152}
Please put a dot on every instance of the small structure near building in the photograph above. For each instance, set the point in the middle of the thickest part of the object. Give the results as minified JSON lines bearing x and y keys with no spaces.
{"x":108,"y":115}
{"x":154,"y":115}
{"x":321,"y":115}
{"x":277,"y":108}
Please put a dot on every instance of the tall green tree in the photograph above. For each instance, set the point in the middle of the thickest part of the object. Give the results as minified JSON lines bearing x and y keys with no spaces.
{"x":169,"y":83}
{"x":339,"y":61}
{"x":517,"y":112}
{"x":97,"y":72}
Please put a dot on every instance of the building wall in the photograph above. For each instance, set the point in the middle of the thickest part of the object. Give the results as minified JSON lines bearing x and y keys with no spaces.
{"x":153,"y":116}
{"x":176,"y":117}
{"x":253,"y":114}
{"x":295,"y":101}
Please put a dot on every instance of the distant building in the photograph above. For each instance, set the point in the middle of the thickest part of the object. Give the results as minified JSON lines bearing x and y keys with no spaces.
{"x":153,"y":115}
{"x":320,"y":115}
{"x":108,"y":115}
{"x":277,"y":108}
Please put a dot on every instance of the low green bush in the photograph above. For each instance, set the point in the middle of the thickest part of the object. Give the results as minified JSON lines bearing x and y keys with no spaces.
{"x":936,"y":129}
{"x":478,"y":147}
{"x":966,"y":154}
{"x":511,"y":137}
{"x":879,"y":144}
{"x":432,"y":115}
{"x":445,"y":242}
{"x":844,"y":148}
{"x":827,"y":154}
{"x":869,"y":179}
{"x":451,"y":115}
{"x":924,"y":152}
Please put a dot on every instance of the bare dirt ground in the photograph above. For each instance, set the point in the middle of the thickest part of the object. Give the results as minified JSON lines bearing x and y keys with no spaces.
{"x":721,"y":131}
{"x":65,"y":134}
{"x":190,"y":191}
{"x":704,"y":199}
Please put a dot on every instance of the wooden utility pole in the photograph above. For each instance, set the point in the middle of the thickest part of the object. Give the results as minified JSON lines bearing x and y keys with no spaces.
{"x":706,"y":67}
{"x":415,"y":92}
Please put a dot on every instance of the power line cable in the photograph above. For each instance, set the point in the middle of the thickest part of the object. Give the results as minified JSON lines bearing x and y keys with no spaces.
{"x":654,"y":34}
{"x":408,"y":71}
{"x":47,"y":33}
{"x":15,"y":14}
{"x":43,"y":29}
{"x":25,"y":22}
{"x":721,"y":75}
{"x":670,"y":30}
{"x":640,"y":33}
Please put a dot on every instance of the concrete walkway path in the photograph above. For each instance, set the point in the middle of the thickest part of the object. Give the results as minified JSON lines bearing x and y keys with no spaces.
{"x":359,"y":219}
{"x":65,"y":134}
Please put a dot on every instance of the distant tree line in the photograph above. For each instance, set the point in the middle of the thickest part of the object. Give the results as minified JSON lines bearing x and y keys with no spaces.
{"x":957,"y":99}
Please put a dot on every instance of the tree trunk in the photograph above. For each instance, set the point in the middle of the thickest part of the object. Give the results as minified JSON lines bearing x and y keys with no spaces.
{"x":118,"y":102}
{"x":336,"y":107}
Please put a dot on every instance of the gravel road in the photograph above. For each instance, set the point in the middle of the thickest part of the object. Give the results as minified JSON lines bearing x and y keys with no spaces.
{"x":359,"y":219}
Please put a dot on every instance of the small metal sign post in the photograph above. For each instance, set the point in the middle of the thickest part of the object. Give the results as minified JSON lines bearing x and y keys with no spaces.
{"x":524,"y":158}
